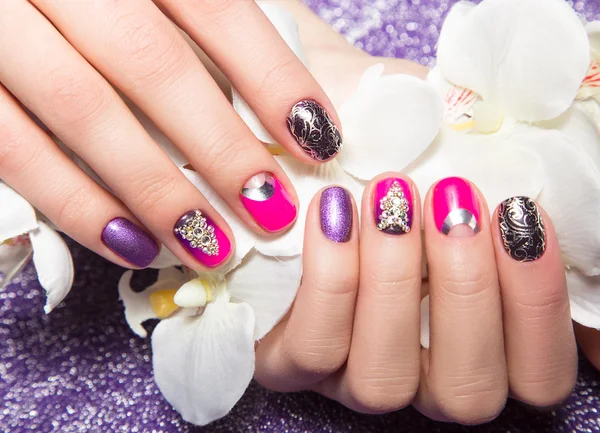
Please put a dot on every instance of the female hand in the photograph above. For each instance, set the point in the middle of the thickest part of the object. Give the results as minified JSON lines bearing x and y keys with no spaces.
{"x":61,"y":60}
{"x":499,"y":311}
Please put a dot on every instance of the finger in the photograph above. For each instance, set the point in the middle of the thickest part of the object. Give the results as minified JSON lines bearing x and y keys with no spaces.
{"x":589,"y":341}
{"x":540,"y":346}
{"x":33,"y":165}
{"x":382,"y":372}
{"x":466,"y":377}
{"x":315,"y":340}
{"x":279,"y":89}
{"x":139,"y":50}
{"x":82,"y":109}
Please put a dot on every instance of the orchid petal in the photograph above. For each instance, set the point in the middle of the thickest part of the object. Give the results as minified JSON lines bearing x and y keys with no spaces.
{"x":494,"y":163}
{"x":17,"y":216}
{"x":53,"y":264}
{"x":571,"y":197}
{"x":526,"y":57}
{"x":285,"y":23}
{"x":15,"y":254}
{"x":593,"y":31}
{"x":269,"y":285}
{"x":584,"y":295}
{"x":165,"y":259}
{"x":137,"y":304}
{"x":244,"y":238}
{"x":204,"y":364}
{"x":307,"y":180}
{"x":388,"y":122}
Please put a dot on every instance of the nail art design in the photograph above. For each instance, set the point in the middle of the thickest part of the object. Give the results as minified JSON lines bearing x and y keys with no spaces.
{"x":393,"y":206}
{"x":336,"y":214}
{"x":202,"y":238}
{"x":522,"y":229}
{"x":268,"y":202}
{"x":455,"y":203}
{"x":314,"y":130}
{"x":130,"y":242}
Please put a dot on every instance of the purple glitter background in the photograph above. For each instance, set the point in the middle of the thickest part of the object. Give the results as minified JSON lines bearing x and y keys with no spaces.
{"x":81,"y":369}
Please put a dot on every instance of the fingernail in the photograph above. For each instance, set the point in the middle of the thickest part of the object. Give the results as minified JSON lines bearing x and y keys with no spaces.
{"x":314,"y":130}
{"x":522,"y":229}
{"x":203,"y":238}
{"x":336,"y":214}
{"x":265,"y":198}
{"x":130,"y":242}
{"x":393,"y":206}
{"x":455,"y":204}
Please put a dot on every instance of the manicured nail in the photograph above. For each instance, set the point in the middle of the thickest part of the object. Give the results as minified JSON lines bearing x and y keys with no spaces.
{"x":314,"y":130}
{"x":265,"y":198}
{"x":336,"y":214}
{"x":130,"y":242}
{"x":522,"y":229}
{"x":454,"y":203}
{"x":393,"y":206}
{"x":203,"y":238}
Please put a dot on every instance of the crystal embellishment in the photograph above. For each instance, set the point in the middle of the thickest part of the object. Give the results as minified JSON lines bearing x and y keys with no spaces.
{"x":394,"y":207}
{"x":200,"y":234}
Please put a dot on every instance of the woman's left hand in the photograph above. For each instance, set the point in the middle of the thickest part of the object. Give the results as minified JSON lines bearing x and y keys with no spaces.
{"x":500,"y":321}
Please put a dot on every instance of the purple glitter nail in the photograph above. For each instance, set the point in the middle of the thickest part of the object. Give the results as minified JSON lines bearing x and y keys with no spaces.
{"x":130,"y":242}
{"x":336,"y":214}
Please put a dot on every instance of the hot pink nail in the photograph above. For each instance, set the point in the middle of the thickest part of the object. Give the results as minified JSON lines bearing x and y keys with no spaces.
{"x":454,"y":203}
{"x":203,"y":238}
{"x":268,"y":202}
{"x":393,"y":206}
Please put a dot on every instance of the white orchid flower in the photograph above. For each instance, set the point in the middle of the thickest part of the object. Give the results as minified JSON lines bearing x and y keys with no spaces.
{"x":203,"y":348}
{"x":22,"y":236}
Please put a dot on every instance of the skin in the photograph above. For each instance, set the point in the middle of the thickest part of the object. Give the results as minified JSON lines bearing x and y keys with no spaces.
{"x":499,"y":327}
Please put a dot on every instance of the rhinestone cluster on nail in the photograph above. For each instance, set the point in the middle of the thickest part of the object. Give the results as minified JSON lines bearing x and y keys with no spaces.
{"x":200,"y":234}
{"x":394,"y":208}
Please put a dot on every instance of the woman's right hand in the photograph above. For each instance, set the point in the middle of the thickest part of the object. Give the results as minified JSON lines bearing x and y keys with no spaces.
{"x":499,"y":314}
{"x":61,"y":59}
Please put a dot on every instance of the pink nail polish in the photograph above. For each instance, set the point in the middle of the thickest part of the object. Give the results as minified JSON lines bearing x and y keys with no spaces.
{"x":454,"y":203}
{"x":202,"y":238}
{"x":268,"y":202}
{"x":393,"y":206}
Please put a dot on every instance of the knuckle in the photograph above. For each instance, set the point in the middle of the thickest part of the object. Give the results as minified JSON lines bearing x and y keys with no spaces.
{"x":152,"y":189}
{"x":542,"y":305}
{"x":276,"y":77}
{"x":16,"y":154}
{"x":220,"y":148}
{"x":472,"y":398}
{"x":383,"y":395}
{"x":467,"y":281}
{"x":76,"y":206}
{"x":75,"y":98}
{"x":545,"y":391}
{"x":316,"y":357}
{"x":208,"y":8}
{"x":151,"y":49}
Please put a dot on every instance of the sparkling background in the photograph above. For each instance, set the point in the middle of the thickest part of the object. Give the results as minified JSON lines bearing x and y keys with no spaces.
{"x":81,"y":369}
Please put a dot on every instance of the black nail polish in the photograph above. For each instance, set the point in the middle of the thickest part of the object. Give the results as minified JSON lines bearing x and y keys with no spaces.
{"x":522,"y":229}
{"x":314,"y":130}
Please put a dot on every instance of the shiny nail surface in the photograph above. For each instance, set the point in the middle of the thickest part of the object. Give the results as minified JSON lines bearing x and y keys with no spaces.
{"x":130,"y":242}
{"x":522,"y":229}
{"x":336,"y":214}
{"x":455,"y":203}
{"x":202,"y":238}
{"x":265,"y":198}
{"x":314,"y":130}
{"x":393,"y":206}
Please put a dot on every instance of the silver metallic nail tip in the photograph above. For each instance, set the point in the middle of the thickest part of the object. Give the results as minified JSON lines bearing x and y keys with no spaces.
{"x":460,"y":216}
{"x":261,"y":193}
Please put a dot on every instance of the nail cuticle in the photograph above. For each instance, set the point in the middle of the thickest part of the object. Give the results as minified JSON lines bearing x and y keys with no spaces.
{"x":336,"y":214}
